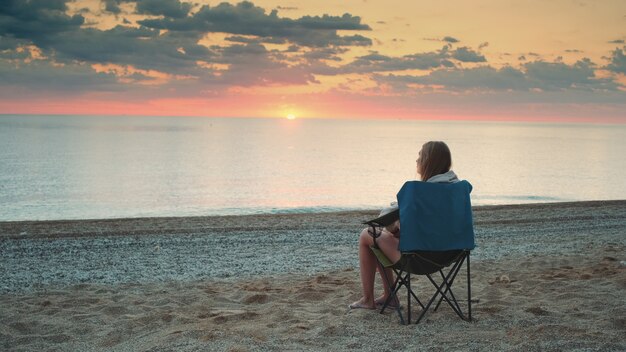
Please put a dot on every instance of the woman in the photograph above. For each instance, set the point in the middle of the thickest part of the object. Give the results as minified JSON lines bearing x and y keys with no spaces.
{"x":433,"y":165}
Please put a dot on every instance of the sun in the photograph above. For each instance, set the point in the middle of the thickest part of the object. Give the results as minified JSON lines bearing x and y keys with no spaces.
{"x":291,"y":117}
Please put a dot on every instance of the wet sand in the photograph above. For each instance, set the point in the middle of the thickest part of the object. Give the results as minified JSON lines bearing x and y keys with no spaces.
{"x":544,"y":277}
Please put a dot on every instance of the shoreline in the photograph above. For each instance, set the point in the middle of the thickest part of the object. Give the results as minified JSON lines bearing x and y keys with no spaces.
{"x":134,"y":226}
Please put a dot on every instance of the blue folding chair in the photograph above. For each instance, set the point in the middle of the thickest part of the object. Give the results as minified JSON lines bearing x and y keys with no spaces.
{"x":437,"y":232}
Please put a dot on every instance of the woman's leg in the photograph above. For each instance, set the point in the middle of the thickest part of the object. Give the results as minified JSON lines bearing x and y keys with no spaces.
{"x":389,"y":245}
{"x":368,"y":265}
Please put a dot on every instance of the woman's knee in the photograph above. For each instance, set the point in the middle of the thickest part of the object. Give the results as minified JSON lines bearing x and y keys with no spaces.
{"x":365,"y":238}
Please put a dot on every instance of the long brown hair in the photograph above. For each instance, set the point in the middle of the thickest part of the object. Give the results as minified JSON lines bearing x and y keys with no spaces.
{"x":434,"y":159}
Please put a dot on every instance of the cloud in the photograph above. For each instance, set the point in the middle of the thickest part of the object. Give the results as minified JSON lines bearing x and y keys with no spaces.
{"x":112,"y":6}
{"x":325,"y":54}
{"x":375,"y":62}
{"x":246,"y":19}
{"x":532,"y":76}
{"x":177,"y":52}
{"x":444,"y":57}
{"x":557,"y":75}
{"x":141,"y":47}
{"x":465,"y":54}
{"x":167,"y":8}
{"x":487,"y":78}
{"x":617,"y":41}
{"x":617,"y":61}
{"x":36,"y":20}
{"x":449,"y":39}
{"x":44,"y":76}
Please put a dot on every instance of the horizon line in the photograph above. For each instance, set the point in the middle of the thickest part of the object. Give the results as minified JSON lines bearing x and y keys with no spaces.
{"x":469,"y":119}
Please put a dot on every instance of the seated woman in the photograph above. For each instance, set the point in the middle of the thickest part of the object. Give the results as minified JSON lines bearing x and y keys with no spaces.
{"x":433,"y":165}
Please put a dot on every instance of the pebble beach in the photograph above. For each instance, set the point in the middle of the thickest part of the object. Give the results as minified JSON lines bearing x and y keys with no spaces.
{"x":544,"y":277}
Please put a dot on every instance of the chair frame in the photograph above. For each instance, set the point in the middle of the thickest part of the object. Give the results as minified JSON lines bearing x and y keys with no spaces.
{"x":403,"y":271}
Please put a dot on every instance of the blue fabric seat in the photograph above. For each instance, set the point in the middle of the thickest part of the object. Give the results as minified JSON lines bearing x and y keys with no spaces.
{"x":435,"y":216}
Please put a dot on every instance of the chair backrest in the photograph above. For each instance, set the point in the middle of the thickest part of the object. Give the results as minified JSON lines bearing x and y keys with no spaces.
{"x":435,"y":216}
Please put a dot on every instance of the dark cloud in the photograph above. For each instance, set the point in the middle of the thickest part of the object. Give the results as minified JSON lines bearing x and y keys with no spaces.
{"x":325,"y":54}
{"x":43,"y":76}
{"x":252,"y":64}
{"x":617,"y":61}
{"x":465,"y":54}
{"x":449,"y":39}
{"x":558,"y":75}
{"x":142,"y":47}
{"x":483,"y":45}
{"x":286,"y":8}
{"x":10,"y":43}
{"x":112,"y":6}
{"x":617,"y":41}
{"x":36,"y":20}
{"x":167,"y":8}
{"x":375,"y":62}
{"x":463,"y":79}
{"x":379,"y":63}
{"x":537,"y":75}
{"x":241,"y":39}
{"x":246,"y":19}
{"x":573,"y":51}
{"x":64,"y":42}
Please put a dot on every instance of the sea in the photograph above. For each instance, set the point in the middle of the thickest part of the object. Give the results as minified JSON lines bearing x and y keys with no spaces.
{"x":92,"y":167}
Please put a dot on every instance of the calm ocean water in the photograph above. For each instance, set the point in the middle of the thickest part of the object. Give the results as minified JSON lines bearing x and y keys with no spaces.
{"x":73,"y":167}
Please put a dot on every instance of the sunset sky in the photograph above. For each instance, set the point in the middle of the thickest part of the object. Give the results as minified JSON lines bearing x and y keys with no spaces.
{"x":532,"y":60}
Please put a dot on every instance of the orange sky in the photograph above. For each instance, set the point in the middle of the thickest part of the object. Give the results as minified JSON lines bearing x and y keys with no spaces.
{"x":484,"y":60}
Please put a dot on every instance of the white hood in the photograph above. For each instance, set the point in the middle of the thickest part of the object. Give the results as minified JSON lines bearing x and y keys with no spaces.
{"x":448,"y":177}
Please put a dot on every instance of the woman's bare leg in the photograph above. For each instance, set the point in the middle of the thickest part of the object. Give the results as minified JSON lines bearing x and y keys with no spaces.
{"x":389,"y":245}
{"x":368,"y":265}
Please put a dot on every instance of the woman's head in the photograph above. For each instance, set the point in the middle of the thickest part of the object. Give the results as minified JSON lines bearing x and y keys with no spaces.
{"x":433,"y":159}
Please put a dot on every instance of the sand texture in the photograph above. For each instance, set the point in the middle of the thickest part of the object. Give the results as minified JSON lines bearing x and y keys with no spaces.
{"x":548,"y":277}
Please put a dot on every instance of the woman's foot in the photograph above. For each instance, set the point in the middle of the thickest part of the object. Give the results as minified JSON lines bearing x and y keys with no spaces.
{"x":361,"y":304}
{"x":381,"y":301}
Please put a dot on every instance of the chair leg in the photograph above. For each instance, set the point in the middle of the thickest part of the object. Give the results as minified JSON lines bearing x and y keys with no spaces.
{"x":440,"y":292}
{"x":469,"y":289}
{"x":393,"y":289}
{"x":448,"y":290}
{"x":408,"y":296}
{"x":455,"y":269}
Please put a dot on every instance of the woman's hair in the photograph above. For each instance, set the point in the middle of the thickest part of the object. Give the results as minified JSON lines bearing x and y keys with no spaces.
{"x":434,"y":159}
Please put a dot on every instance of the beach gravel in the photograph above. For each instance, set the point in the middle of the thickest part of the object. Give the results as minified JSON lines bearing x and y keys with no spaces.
{"x":545,"y":277}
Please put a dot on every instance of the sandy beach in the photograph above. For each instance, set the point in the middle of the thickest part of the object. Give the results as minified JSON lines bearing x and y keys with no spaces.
{"x":545,"y":277}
